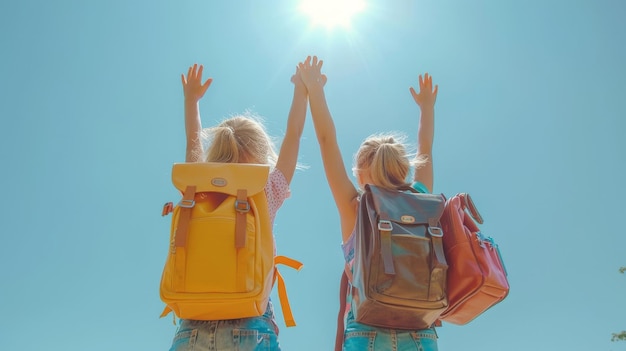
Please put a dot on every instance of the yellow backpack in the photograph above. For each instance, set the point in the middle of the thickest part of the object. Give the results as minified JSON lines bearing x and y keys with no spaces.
{"x":221,"y":262}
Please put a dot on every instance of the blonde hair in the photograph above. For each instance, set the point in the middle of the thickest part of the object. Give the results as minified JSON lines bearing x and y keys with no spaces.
{"x":386,"y":159}
{"x":239,"y":139}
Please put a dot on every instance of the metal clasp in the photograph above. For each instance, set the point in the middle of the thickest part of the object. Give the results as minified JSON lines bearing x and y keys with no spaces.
{"x":187,"y":203}
{"x":242,"y":206}
{"x":385,"y":226}
{"x":435,"y":231}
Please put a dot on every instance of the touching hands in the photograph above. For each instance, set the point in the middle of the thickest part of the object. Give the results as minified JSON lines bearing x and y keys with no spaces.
{"x":296,"y":79}
{"x":193,"y":87}
{"x":311,"y":72}
{"x":427,"y":95}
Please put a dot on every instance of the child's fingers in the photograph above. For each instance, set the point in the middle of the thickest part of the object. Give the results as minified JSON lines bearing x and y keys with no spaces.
{"x":189,"y":71}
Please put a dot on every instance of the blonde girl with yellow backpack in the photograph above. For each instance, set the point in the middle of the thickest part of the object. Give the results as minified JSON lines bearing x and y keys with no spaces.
{"x":240,"y":139}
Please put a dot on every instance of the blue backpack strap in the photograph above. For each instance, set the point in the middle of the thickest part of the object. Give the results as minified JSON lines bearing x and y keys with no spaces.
{"x":420,"y":187}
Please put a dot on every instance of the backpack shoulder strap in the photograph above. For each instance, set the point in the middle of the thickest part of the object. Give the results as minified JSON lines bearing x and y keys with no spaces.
{"x":343,"y":292}
{"x":186,"y":204}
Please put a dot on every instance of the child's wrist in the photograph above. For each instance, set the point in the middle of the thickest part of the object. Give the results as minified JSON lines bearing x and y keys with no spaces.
{"x":315,"y":86}
{"x":191,"y":100}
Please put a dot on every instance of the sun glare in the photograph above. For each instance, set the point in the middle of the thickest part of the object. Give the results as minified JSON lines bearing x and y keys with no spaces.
{"x":332,"y":13}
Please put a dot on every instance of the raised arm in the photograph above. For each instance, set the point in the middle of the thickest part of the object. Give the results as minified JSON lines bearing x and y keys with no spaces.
{"x":344,"y":192}
{"x":194,"y":89}
{"x":288,"y":155}
{"x":425,"y":99}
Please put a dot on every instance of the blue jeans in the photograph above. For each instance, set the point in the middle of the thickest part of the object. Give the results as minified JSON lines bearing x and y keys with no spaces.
{"x":361,"y":337}
{"x":246,"y":334}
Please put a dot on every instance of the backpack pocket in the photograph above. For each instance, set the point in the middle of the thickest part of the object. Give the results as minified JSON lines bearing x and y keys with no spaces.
{"x":213,"y":264}
{"x":416,"y":279}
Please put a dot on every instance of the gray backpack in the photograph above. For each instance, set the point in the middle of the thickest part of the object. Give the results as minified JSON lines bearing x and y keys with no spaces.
{"x":399,"y":271}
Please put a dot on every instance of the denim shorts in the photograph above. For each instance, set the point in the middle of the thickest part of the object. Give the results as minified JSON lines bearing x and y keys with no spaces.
{"x":361,"y":337}
{"x":245,"y":334}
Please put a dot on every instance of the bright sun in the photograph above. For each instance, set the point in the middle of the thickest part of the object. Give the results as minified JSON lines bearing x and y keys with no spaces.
{"x":332,"y":13}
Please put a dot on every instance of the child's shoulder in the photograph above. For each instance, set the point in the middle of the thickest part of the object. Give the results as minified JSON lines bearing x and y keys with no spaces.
{"x":277,"y":183}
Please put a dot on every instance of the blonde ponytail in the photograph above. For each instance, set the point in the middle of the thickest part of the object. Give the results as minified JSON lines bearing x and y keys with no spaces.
{"x":239,"y":139}
{"x":224,"y":147}
{"x":384,"y":156}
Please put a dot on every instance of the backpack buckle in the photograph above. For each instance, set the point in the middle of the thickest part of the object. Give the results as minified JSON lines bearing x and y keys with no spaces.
{"x":187,"y":203}
{"x":385,"y":226}
{"x":435,"y":231}
{"x":242,"y":206}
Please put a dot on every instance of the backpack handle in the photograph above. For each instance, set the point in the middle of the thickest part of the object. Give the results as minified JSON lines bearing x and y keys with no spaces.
{"x":468,"y":204}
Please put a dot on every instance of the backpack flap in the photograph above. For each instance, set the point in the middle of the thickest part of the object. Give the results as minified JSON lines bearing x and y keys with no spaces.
{"x":410,"y":209}
{"x":402,"y":207}
{"x":236,"y":179}
{"x":225,"y":178}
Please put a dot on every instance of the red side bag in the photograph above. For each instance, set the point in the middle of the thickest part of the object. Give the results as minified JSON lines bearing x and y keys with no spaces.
{"x":477,"y":278}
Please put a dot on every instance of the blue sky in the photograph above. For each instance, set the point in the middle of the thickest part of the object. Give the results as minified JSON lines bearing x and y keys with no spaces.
{"x":529,"y":121}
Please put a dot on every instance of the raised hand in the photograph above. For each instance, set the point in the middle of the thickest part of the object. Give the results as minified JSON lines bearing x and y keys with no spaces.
{"x":311,"y":72}
{"x":296,"y":79}
{"x":427,"y":95}
{"x":193,"y":87}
